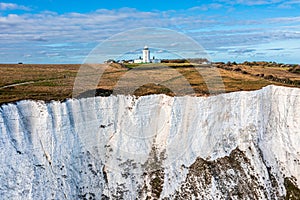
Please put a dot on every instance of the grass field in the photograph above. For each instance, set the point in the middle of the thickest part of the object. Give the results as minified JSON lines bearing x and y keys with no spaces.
{"x":55,"y":82}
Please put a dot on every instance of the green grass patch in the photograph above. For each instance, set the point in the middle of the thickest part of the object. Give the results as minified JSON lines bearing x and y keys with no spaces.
{"x":132,"y":65}
{"x":47,"y":84}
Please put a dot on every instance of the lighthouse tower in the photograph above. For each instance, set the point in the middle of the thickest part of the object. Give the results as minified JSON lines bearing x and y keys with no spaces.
{"x":146,"y":55}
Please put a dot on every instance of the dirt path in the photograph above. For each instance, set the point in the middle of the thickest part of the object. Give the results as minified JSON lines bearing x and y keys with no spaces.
{"x":17,"y":84}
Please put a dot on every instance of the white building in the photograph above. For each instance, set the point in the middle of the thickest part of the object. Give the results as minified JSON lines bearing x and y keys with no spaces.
{"x":154,"y":60}
{"x":146,"y":57}
{"x":138,"y":61}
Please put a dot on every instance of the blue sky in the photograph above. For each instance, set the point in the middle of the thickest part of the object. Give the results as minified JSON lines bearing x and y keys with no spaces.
{"x":61,"y":31}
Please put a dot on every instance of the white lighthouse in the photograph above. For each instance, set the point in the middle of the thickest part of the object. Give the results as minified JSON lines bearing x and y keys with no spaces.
{"x":146,"y":55}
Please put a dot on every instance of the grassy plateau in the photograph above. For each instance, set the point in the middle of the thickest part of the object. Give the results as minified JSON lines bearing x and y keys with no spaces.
{"x":55,"y":82}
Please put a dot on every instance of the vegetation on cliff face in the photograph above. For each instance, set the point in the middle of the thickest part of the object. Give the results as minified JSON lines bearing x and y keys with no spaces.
{"x":292,"y":191}
{"x":153,"y":175}
{"x":233,"y":177}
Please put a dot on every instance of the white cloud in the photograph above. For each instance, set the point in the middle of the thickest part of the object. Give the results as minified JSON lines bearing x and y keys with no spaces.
{"x":63,"y":37}
{"x":289,"y":4}
{"x":27,"y":55}
{"x":12,"y":6}
{"x":87,"y":27}
{"x":251,"y":2}
{"x":289,"y":20}
{"x":206,"y":7}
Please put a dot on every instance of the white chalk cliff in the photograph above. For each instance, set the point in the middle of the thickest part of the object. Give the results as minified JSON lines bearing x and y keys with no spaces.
{"x":241,"y":145}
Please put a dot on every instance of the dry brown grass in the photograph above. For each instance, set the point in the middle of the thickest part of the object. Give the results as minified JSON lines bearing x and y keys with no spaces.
{"x":55,"y":82}
{"x":280,"y":72}
{"x":50,"y":82}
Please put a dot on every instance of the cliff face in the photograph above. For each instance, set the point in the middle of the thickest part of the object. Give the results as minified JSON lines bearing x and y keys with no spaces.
{"x":242,"y":145}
